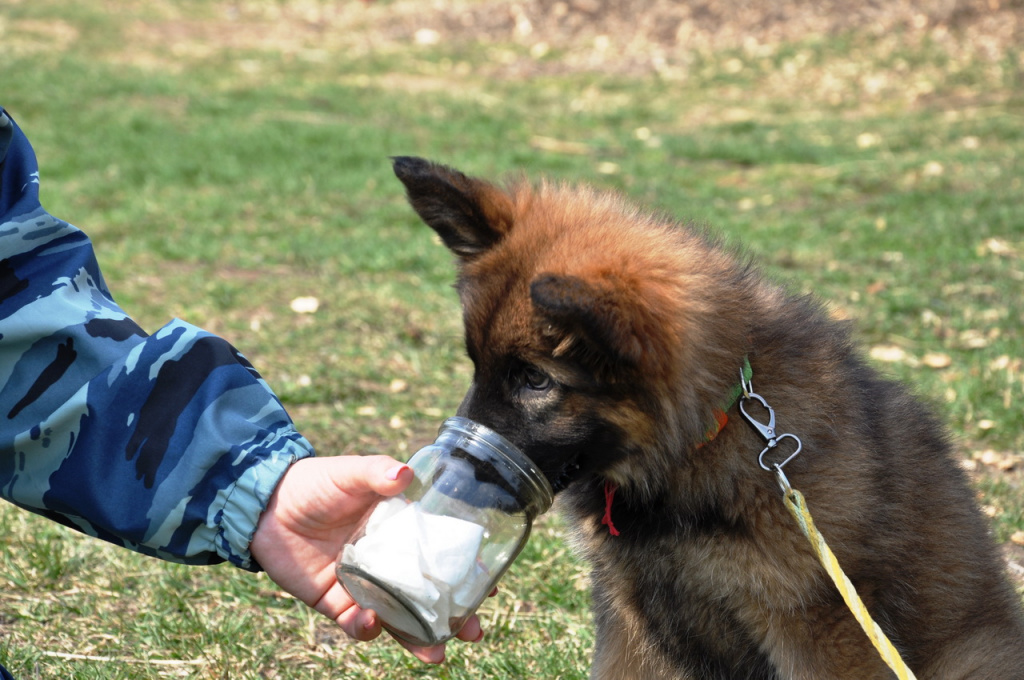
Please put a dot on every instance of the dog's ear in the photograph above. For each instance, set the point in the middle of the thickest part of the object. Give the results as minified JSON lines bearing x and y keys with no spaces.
{"x":470,"y":215}
{"x":607,"y":317}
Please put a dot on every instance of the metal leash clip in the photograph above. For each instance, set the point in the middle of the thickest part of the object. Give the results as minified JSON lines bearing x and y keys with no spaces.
{"x":767,"y":430}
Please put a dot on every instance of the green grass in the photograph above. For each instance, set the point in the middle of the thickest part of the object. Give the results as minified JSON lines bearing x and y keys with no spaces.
{"x":225,"y":164}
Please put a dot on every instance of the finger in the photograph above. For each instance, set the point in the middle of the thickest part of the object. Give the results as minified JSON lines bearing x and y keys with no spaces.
{"x":432,"y":655}
{"x":472,"y":631}
{"x":360,"y":624}
{"x":367,"y":625}
{"x":367,"y":474}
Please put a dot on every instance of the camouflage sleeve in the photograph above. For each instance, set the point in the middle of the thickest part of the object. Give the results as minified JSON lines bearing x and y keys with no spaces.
{"x":169,"y":444}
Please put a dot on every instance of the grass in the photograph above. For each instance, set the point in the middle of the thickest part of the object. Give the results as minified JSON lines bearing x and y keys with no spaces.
{"x":226,"y":163}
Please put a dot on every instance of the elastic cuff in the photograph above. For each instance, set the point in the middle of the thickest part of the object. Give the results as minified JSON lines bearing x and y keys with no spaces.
{"x":249,"y":496}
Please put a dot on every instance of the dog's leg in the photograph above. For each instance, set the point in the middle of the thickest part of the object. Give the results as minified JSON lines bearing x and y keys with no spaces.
{"x":622,"y":651}
{"x":823,"y":643}
{"x":981,"y":654}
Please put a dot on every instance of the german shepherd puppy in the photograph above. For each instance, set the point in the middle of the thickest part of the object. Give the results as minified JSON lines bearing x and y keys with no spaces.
{"x":609,"y":345}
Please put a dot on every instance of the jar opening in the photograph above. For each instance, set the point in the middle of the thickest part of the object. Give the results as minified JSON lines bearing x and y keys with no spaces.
{"x":508,"y":451}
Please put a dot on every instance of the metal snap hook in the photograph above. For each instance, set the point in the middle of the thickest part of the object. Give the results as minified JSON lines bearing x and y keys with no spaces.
{"x":772,"y":444}
{"x":767,"y":430}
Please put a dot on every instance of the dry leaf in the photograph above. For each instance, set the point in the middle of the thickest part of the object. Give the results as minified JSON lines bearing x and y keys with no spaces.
{"x":973,"y":339}
{"x":988,"y":457}
{"x":995,"y":246}
{"x":936,"y":360}
{"x":1017,"y":537}
{"x":305,"y":305}
{"x":1004,"y":462}
{"x":1009,"y":464}
{"x":866,"y":140}
{"x":427,"y":36}
{"x":1000,"y":364}
{"x":888,"y":353}
{"x":558,"y":145}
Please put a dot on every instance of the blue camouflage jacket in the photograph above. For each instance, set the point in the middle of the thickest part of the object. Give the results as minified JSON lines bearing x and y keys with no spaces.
{"x":168,"y":444}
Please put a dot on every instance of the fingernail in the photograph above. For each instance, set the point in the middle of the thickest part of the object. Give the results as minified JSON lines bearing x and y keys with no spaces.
{"x":393,"y":473}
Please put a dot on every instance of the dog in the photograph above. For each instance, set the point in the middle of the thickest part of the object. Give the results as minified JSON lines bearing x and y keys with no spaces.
{"x":620,"y":350}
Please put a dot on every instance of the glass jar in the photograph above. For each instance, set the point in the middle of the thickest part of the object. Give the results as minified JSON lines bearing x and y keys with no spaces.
{"x":424,"y":560}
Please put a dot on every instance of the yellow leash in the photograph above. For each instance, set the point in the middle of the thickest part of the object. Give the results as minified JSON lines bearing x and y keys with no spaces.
{"x":797,"y":506}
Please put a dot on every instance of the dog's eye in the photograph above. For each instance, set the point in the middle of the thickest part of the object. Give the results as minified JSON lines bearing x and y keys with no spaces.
{"x":536,"y":379}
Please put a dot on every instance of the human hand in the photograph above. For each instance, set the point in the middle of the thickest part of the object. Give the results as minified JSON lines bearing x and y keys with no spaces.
{"x":313,"y":512}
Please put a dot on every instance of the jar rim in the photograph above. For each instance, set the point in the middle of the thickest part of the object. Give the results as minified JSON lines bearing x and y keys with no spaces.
{"x":499,"y":444}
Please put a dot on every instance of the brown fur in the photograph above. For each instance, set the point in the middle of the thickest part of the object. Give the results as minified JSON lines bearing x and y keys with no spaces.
{"x":604,"y":339}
